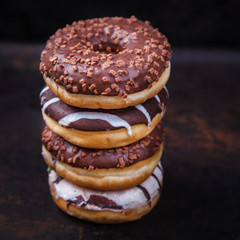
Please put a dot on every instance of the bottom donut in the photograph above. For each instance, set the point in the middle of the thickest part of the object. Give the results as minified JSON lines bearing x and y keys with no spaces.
{"x":107,"y":206}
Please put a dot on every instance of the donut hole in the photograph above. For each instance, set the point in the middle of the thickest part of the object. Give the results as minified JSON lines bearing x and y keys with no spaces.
{"x":108,"y":48}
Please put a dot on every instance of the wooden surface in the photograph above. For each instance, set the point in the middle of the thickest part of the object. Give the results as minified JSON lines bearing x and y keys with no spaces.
{"x":201,"y":196}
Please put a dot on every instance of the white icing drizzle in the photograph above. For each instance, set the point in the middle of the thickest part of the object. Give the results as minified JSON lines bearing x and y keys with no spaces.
{"x":114,"y":120}
{"x":157,"y":98}
{"x":158,"y":171}
{"x":129,"y":199}
{"x":44,"y":90}
{"x":46,"y":104}
{"x":110,"y":118}
{"x":166,"y":91}
{"x":141,"y":108}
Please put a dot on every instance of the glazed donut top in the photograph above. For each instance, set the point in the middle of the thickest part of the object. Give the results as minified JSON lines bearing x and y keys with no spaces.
{"x":106,"y":56}
{"x":108,"y":200}
{"x":102,"y":120}
{"x":107,"y":158}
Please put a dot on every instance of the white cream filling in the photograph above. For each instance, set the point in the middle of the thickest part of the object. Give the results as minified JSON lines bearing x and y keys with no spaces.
{"x":129,"y":199}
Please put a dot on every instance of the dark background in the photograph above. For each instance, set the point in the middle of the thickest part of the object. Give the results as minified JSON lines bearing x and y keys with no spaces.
{"x":188,"y":23}
{"x":201,"y":158}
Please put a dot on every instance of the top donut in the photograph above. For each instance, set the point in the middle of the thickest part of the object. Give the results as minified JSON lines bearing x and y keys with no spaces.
{"x":106,"y":62}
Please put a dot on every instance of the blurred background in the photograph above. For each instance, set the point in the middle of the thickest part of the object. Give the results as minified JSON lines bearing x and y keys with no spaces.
{"x":199,"y":23}
{"x":201,"y":193}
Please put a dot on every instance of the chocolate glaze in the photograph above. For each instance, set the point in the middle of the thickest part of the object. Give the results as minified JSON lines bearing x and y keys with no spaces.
{"x":99,"y":201}
{"x":160,"y":185}
{"x":146,"y":193}
{"x":78,"y":201}
{"x":102,"y":202}
{"x":135,"y":55}
{"x":107,"y":158}
{"x":58,"y":180}
{"x":160,"y":168}
{"x":53,"y":160}
{"x":131,"y":115}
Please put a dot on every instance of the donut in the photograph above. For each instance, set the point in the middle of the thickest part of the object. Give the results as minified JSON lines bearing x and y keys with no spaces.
{"x":105,"y":128}
{"x":107,"y":206}
{"x":107,"y":63}
{"x":103,"y":169}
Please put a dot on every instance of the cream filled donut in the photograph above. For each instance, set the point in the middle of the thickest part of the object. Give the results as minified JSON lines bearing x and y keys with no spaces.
{"x":104,"y":169}
{"x":107,"y":206}
{"x":107,"y":63}
{"x":103,"y":128}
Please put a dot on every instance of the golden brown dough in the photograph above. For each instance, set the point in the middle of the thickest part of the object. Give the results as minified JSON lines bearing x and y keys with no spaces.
{"x":104,"y":217}
{"x":102,"y":139}
{"x":107,"y":102}
{"x":105,"y":179}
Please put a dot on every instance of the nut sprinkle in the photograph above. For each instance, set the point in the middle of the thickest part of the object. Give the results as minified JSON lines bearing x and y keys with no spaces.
{"x":100,"y":56}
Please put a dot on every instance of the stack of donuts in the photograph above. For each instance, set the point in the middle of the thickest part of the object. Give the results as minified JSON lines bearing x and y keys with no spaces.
{"x":103,"y":102}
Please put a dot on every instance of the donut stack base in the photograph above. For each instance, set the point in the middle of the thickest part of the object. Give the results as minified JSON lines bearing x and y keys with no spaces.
{"x":109,"y":206}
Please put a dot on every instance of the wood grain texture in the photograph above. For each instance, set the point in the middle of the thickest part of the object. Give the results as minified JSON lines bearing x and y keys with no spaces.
{"x":201,"y":192}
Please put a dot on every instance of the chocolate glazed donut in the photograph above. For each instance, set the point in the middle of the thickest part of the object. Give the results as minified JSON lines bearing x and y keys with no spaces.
{"x":103,"y":128}
{"x":106,"y":62}
{"x":104,"y":169}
